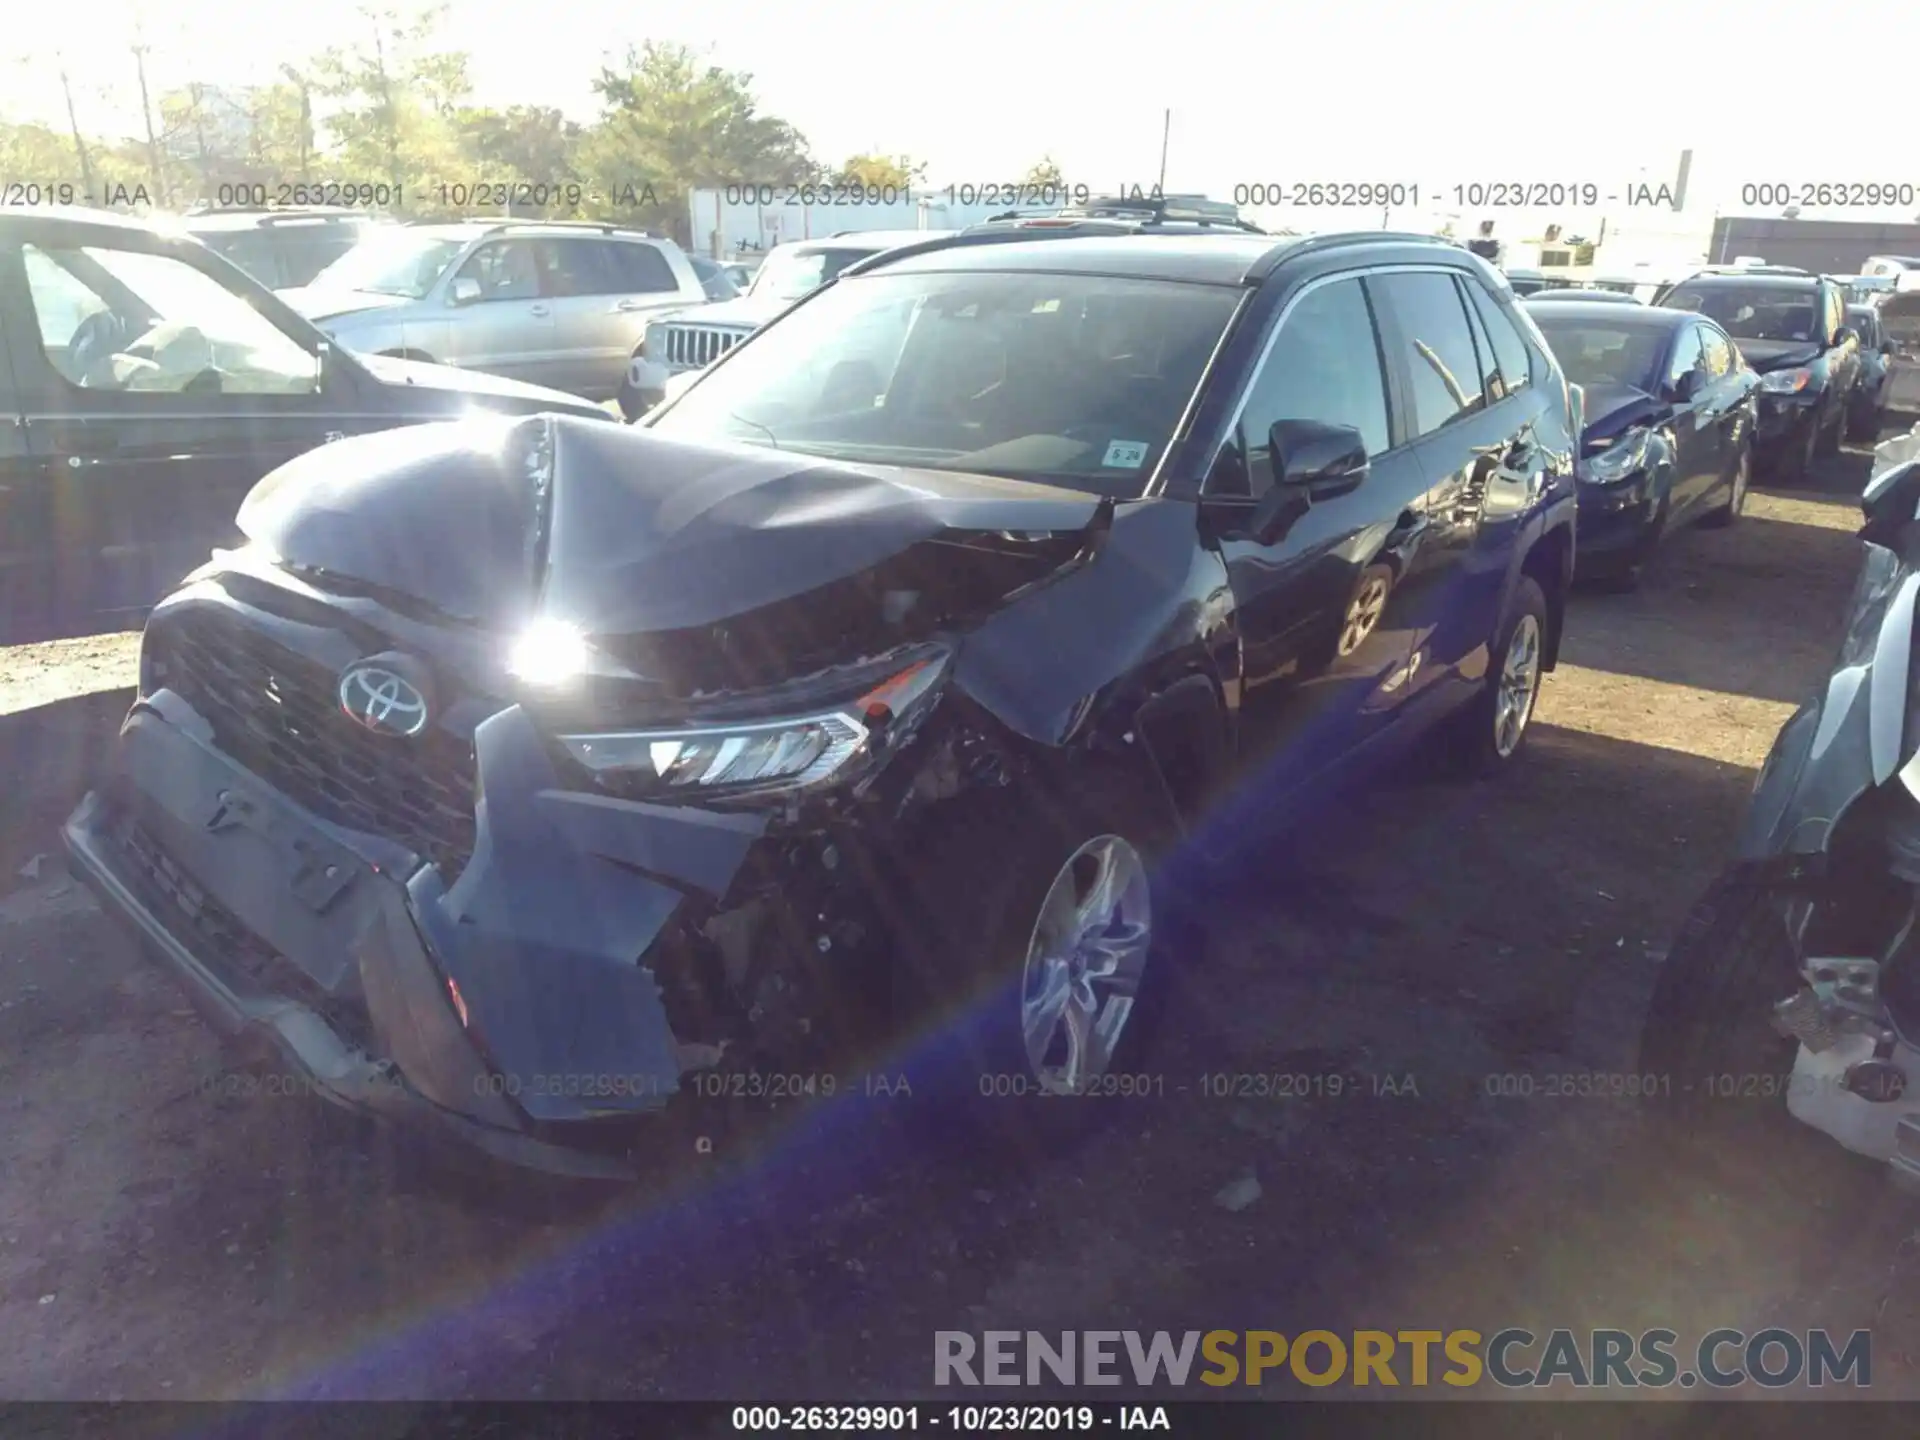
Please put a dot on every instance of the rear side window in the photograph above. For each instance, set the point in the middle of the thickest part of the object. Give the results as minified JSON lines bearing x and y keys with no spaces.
{"x":1509,"y":350}
{"x":1491,"y":390}
{"x":643,"y":269}
{"x":1438,"y":352}
{"x":582,"y":267}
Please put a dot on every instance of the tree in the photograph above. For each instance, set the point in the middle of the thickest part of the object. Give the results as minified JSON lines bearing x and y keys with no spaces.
{"x":1046,"y":173}
{"x":894,"y":170}
{"x":672,"y":123}
{"x":398,"y":91}
{"x":527,"y":146}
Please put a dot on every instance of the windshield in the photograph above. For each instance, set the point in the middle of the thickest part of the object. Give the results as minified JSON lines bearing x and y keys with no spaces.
{"x":1072,"y":379}
{"x":1753,"y":312}
{"x":790,"y":274}
{"x":1595,"y":353}
{"x":405,"y":263}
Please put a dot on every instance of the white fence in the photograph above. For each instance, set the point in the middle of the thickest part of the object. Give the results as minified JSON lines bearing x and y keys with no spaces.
{"x":758,"y":217}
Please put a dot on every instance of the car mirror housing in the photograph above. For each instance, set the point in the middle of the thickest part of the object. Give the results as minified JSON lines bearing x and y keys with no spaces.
{"x":1321,"y":460}
{"x":465,"y":291}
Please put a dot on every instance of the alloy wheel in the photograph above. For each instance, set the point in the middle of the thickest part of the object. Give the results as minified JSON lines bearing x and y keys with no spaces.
{"x":1085,"y":959}
{"x":1365,"y":612}
{"x":1519,"y":685}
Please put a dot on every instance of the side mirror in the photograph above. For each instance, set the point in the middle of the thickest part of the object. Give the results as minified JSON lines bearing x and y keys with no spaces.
{"x":466,"y":290}
{"x":1311,"y":462}
{"x":1688,"y":386}
{"x":1321,"y":460}
{"x":1890,"y":504}
{"x":1886,"y":347}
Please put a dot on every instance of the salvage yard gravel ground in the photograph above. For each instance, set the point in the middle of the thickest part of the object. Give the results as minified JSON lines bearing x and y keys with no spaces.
{"x":172,"y":1226}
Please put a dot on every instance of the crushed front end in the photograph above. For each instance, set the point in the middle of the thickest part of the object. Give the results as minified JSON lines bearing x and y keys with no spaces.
{"x":520,"y":891}
{"x":1832,"y":842}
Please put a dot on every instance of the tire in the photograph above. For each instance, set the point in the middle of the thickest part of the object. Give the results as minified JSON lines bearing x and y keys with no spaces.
{"x":1736,"y":504}
{"x":970,"y":939}
{"x":1485,"y":740}
{"x":1710,"y":1016}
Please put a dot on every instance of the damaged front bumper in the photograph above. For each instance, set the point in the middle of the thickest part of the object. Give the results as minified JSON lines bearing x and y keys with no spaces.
{"x":515,"y":1008}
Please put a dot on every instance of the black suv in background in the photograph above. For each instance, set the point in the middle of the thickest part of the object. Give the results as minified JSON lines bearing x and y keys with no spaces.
{"x":872,"y":679}
{"x":1791,"y":327}
{"x":145,"y":385}
{"x":282,"y":249}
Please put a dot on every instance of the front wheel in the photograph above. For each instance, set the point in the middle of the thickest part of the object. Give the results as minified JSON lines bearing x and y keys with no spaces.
{"x":1716,"y":1066}
{"x":1037,"y":940}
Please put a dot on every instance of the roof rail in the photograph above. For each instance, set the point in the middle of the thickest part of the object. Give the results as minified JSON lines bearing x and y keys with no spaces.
{"x":598,"y":227}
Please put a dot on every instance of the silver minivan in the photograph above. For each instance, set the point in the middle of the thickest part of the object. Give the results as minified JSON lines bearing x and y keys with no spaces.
{"x":551,"y":303}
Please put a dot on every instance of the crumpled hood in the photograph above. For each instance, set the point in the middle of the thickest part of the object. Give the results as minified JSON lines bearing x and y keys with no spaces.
{"x":611,"y":528}
{"x":1612,"y":409}
{"x":391,"y":371}
{"x":1765,"y":355}
{"x":318,"y":304}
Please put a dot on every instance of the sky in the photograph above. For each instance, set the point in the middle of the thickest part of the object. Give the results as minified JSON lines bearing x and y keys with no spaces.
{"x":1472,"y":92}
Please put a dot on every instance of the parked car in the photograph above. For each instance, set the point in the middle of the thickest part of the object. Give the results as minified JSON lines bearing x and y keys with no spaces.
{"x":1791,"y":327}
{"x":1668,"y":425}
{"x":149,"y":384}
{"x":1868,"y":405}
{"x":790,"y":706}
{"x":282,"y":248}
{"x":1791,"y":989}
{"x":677,"y":342}
{"x":716,"y":280}
{"x":1589,"y":293}
{"x":1894,"y":265}
{"x":547,"y":302}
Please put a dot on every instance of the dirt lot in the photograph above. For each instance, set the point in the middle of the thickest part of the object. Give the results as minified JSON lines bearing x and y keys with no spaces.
{"x":160,"y":1236}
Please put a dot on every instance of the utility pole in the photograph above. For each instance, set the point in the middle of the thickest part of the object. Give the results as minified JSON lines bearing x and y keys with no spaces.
{"x":1166,"y":133}
{"x":154,"y":167}
{"x":73,"y":124}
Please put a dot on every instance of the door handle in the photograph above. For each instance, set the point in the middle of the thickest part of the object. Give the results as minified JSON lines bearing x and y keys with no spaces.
{"x":628,"y":306}
{"x":83,"y":444}
{"x":537,"y":310}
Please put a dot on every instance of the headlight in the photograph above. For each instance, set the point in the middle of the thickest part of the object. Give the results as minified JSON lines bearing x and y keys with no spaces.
{"x":770,"y":757}
{"x":1620,"y":459}
{"x":1787,"y":382}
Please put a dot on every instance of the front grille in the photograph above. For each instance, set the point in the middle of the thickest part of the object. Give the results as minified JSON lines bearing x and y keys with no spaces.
{"x":276,"y":714}
{"x":692,"y":347}
{"x":220,"y":940}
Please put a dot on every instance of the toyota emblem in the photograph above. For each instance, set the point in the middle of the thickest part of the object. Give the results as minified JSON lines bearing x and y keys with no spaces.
{"x":382,"y":699}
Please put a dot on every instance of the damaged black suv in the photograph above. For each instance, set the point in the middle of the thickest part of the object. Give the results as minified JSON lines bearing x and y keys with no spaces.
{"x":519,"y":774}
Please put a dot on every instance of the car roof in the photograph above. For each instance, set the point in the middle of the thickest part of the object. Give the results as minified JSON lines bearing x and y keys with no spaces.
{"x":272,"y":219}
{"x":81,"y":215}
{"x":876,"y":239}
{"x":1651,"y":317}
{"x":1219,"y":258}
{"x":1748,"y":279}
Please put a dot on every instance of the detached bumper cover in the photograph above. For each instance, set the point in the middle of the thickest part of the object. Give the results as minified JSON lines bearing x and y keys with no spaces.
{"x":337,"y":951}
{"x":1617,"y":520}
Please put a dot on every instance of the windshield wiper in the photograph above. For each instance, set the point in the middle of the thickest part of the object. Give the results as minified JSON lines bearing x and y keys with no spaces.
{"x":771,"y":439}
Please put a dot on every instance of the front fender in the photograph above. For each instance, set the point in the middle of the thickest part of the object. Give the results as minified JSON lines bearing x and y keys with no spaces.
{"x":1850,"y":739}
